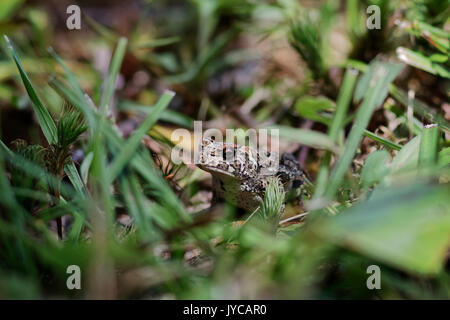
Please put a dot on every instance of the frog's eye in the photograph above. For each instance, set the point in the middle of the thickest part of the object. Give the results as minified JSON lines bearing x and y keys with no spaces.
{"x":228,"y":154}
{"x":213,"y":138}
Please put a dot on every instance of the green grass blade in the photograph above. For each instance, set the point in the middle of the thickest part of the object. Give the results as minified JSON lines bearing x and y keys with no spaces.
{"x":444,"y":157}
{"x":418,"y":60}
{"x":383,"y":141}
{"x":313,"y":108}
{"x":407,"y":158}
{"x":76,"y":228}
{"x":408,"y":228}
{"x":428,"y":152}
{"x":313,"y":139}
{"x":378,"y":86}
{"x":134,"y":199}
{"x":103,"y":31}
{"x":401,"y":96}
{"x":74,"y":177}
{"x":114,"y":69}
{"x":134,"y":141}
{"x":343,"y":102}
{"x":70,"y":76}
{"x":102,"y":188}
{"x":5,"y":149}
{"x":85,"y":167}
{"x":167,"y":115}
{"x":156,"y":43}
{"x":375,"y":168}
{"x":45,"y":120}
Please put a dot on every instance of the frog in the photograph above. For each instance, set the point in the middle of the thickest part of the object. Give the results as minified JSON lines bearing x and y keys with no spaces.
{"x":240,"y":174}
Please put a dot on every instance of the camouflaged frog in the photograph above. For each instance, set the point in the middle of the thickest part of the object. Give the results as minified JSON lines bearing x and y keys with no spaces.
{"x":240,"y":173}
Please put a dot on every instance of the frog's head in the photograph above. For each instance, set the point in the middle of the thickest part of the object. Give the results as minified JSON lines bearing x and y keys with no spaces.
{"x":226,"y":160}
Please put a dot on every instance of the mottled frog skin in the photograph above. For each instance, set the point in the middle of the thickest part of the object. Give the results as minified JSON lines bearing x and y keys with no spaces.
{"x":240,"y":173}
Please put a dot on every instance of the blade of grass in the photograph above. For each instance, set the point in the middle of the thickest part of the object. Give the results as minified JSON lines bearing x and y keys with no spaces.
{"x":419,"y":107}
{"x":156,"y":43}
{"x":436,"y":37}
{"x":33,"y":194}
{"x":166,"y":115}
{"x":85,"y":167}
{"x":406,"y":159}
{"x":76,"y":228}
{"x":114,"y":69}
{"x":444,"y":157}
{"x":384,"y":142}
{"x":313,"y":139}
{"x":102,"y":214}
{"x":107,"y":34}
{"x":375,"y":168}
{"x":45,"y":120}
{"x":103,"y":221}
{"x":401,"y":96}
{"x":75,"y":179}
{"x":343,"y":102}
{"x":5,"y":149}
{"x":428,"y":152}
{"x":70,"y":76}
{"x":134,"y":141}
{"x":406,"y":227}
{"x":418,"y":60}
{"x":134,"y":198}
{"x":383,"y":74}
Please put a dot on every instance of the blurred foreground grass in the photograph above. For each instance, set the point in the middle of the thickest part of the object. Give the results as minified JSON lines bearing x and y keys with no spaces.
{"x":378,"y":194}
